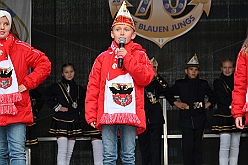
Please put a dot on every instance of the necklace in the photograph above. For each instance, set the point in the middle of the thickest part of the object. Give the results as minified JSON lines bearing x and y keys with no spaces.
{"x":226,"y":86}
{"x":64,"y":88}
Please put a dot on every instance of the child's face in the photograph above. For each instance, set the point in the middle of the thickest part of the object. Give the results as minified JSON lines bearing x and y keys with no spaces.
{"x":122,"y":31}
{"x":68,"y":72}
{"x":192,"y":72}
{"x":4,"y":27}
{"x":227,"y":68}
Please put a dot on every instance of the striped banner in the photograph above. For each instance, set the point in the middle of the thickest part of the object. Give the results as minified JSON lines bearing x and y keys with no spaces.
{"x":21,"y":14}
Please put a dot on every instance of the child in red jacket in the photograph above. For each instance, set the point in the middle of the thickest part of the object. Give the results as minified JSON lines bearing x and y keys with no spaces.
{"x":16,"y":57}
{"x":115,"y":91}
{"x":240,"y":94}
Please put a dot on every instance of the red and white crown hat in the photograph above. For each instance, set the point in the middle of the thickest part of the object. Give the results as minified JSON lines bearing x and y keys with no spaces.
{"x":123,"y":17}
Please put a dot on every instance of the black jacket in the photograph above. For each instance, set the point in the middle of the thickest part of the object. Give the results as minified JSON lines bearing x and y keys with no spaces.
{"x":54,"y":95}
{"x":37,"y":102}
{"x":223,"y":87}
{"x":154,"y":112}
{"x":190,"y":91}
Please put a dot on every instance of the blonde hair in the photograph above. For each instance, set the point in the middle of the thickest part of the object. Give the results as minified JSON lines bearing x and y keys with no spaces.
{"x":245,"y":45}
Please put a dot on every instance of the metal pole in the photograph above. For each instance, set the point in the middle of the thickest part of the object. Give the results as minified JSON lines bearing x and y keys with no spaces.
{"x":28,"y":160}
{"x":165,"y":134}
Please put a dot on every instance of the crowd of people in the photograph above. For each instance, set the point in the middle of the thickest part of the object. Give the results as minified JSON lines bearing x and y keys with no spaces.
{"x":121,"y":101}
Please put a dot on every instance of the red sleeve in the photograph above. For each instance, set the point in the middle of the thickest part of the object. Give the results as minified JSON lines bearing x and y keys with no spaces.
{"x":240,"y":85}
{"x":92,"y":93}
{"x":41,"y":66}
{"x":139,"y":67}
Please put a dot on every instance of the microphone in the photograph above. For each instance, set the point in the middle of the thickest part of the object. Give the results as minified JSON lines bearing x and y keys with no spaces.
{"x":122,"y":42}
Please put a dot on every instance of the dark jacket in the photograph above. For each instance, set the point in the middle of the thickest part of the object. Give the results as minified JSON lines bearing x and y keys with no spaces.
{"x":55,"y":95}
{"x":191,"y":91}
{"x":223,"y":87}
{"x":154,"y":112}
{"x":37,"y":102}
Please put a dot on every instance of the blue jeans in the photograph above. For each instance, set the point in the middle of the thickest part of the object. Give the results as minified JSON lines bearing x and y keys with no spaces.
{"x":110,"y":139}
{"x":12,"y":144}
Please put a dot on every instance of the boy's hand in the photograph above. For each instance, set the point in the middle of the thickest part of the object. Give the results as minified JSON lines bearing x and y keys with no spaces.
{"x":181,"y":105}
{"x":122,"y":52}
{"x":93,"y":124}
{"x":238,"y":122}
{"x":207,"y":104}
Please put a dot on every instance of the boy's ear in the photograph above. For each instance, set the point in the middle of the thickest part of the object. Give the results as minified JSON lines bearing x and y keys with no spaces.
{"x":133,"y":35}
{"x":186,"y":71}
{"x":111,"y":34}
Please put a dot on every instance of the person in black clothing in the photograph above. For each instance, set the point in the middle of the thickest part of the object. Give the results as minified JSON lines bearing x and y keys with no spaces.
{"x":67,"y":100}
{"x":150,"y":140}
{"x":37,"y":104}
{"x":192,"y":119}
{"x":31,"y":137}
{"x":223,"y":121}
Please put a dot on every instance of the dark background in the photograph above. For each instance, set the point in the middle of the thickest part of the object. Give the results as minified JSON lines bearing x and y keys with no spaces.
{"x":77,"y":31}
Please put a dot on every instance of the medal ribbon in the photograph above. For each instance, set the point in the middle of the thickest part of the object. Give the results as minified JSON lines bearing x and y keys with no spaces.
{"x":63,"y":88}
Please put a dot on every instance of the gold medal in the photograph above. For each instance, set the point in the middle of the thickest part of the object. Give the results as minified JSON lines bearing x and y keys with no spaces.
{"x":74,"y":105}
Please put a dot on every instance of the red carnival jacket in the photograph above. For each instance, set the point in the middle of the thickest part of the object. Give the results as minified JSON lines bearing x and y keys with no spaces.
{"x":239,"y":101}
{"x":24,"y":57}
{"x":137,"y":65}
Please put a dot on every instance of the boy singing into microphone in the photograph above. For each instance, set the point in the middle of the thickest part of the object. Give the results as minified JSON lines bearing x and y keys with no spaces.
{"x":115,"y":96}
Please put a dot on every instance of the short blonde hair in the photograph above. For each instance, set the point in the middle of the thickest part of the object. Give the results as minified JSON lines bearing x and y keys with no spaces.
{"x":245,"y":44}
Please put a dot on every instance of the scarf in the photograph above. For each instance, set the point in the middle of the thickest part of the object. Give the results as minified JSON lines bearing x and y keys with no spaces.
{"x":8,"y":82}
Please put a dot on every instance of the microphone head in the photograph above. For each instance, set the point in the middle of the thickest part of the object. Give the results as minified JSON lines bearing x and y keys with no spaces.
{"x":122,"y":40}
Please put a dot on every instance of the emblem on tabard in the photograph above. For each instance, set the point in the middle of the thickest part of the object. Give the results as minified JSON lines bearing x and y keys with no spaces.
{"x":5,"y":78}
{"x":122,"y":93}
{"x":163,"y":21}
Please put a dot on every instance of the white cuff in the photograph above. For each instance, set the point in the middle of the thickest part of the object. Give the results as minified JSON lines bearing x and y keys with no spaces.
{"x":58,"y":108}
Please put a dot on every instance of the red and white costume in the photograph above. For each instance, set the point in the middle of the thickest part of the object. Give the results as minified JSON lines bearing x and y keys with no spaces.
{"x":115,"y":95}
{"x":18,"y":57}
{"x":240,"y":92}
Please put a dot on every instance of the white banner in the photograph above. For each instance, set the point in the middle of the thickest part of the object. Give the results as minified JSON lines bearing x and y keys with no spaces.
{"x":21,"y":14}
